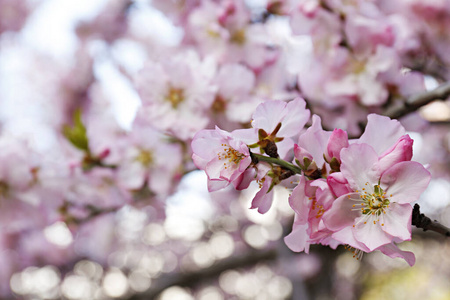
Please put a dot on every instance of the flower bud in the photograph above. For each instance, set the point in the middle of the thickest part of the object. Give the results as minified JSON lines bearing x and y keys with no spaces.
{"x":302,"y":157}
{"x":337,"y":141}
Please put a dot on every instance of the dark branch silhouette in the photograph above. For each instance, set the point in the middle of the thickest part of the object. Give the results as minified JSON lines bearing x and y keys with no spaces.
{"x":421,"y":221}
{"x":191,"y":278}
{"x":416,"y":101}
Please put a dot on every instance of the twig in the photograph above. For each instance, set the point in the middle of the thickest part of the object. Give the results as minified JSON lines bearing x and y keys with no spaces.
{"x":414,"y":102}
{"x":277,"y":161}
{"x":421,"y":221}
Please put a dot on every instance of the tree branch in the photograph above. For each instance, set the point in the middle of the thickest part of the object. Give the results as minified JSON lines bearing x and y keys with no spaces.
{"x":421,"y":221}
{"x":414,"y":102}
{"x":191,"y":278}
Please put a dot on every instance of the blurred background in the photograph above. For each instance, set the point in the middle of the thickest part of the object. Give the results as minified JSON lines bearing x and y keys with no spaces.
{"x":99,"y":198}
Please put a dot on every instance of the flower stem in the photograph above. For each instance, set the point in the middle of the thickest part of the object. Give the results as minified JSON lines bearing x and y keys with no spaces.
{"x":280,"y":162}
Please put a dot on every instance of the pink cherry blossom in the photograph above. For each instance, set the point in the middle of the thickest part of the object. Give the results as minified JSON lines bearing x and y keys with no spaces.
{"x":378,"y":209}
{"x":224,"y":30}
{"x":99,"y":187}
{"x":427,"y":20}
{"x":323,"y":26}
{"x":366,"y":33}
{"x":139,"y":165}
{"x":310,"y":200}
{"x":23,"y":199}
{"x":176,"y":94}
{"x":277,"y":121}
{"x":235,"y":97}
{"x":223,"y":157}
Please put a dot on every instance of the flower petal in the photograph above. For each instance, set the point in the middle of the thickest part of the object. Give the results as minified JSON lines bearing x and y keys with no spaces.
{"x":381,"y":132}
{"x":215,"y":167}
{"x":371,"y":234}
{"x":297,"y":240}
{"x":203,"y":145}
{"x":392,"y":251}
{"x":248,"y":135}
{"x":405,"y":181}
{"x":296,"y":117}
{"x":216,"y":184}
{"x":263,"y":199}
{"x":345,"y":236}
{"x":299,"y":202}
{"x":244,"y":180}
{"x":234,"y":79}
{"x":268,"y":114}
{"x":315,"y":140}
{"x":338,"y":184}
{"x":359,"y":165}
{"x":284,"y":148}
{"x":397,"y":221}
{"x":342,"y":213}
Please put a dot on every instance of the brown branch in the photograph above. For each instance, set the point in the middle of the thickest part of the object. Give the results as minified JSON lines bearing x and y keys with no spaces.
{"x":191,"y":278}
{"x":414,"y":102}
{"x":421,"y":221}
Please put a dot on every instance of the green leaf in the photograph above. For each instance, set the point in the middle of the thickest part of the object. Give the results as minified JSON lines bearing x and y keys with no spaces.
{"x":76,"y":134}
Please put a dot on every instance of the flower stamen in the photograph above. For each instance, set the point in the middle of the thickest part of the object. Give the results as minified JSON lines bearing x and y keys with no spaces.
{"x":358,"y":254}
{"x":372,"y":204}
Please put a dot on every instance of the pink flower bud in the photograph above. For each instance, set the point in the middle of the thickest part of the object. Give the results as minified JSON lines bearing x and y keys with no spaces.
{"x":401,"y":151}
{"x":337,"y":141}
{"x":302,"y":155}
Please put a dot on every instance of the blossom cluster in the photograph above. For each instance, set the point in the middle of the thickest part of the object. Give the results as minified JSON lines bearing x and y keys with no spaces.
{"x":354,"y":192}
